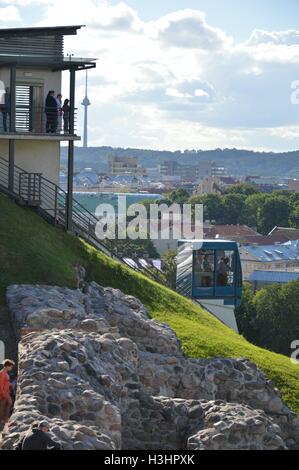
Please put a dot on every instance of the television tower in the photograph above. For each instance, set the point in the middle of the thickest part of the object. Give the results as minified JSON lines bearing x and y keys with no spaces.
{"x":85,"y":103}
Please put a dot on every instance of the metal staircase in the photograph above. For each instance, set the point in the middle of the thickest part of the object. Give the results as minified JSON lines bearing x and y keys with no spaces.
{"x":50,"y":201}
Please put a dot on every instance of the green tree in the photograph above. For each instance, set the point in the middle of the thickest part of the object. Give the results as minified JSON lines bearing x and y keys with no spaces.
{"x":277,"y":317}
{"x":242,"y":188}
{"x":233,"y":206}
{"x":178,"y":196}
{"x":251,"y":209}
{"x":246,"y":315}
{"x":213,"y":207}
{"x":294,"y":216}
{"x":274,"y":211}
{"x":169,"y":267}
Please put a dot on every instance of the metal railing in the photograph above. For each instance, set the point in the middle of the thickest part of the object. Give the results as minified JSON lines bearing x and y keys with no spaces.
{"x":37,"y":120}
{"x":51,"y":202}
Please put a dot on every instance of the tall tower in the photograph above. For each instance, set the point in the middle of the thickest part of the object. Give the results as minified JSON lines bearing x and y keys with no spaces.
{"x":85,"y":103}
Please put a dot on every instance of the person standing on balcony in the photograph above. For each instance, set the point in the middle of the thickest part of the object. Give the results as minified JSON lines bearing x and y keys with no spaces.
{"x":51,"y":113}
{"x":66,"y":116}
{"x":5,"y":391}
{"x":6,"y":108}
{"x":59,"y":111}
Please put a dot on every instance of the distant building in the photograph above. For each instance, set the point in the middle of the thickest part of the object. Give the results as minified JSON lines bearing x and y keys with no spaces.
{"x":284,"y":234}
{"x":267,"y":184}
{"x":237,"y":233}
{"x":277,"y":236}
{"x":261,"y":279}
{"x":283,"y":257}
{"x":182,"y":171}
{"x":125,"y":166}
{"x":215,"y":185}
{"x":293,"y":185}
{"x":87,"y":178}
{"x":153,"y":173}
{"x":219,"y":171}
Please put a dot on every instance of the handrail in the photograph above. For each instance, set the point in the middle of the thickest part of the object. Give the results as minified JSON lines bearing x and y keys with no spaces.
{"x":38,"y":120}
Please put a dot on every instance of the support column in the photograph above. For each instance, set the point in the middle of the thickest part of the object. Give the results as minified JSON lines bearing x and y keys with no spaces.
{"x":12,"y":114}
{"x":12,"y":127}
{"x":69,"y":208}
{"x":11,"y":165}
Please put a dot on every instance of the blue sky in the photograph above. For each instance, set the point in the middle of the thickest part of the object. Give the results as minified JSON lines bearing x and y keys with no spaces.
{"x":176,"y":74}
{"x":236,"y":17}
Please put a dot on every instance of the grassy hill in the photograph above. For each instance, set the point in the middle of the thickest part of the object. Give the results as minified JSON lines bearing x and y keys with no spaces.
{"x":31,"y":251}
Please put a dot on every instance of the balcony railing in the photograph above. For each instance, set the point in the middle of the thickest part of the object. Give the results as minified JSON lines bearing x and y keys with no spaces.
{"x":38,"y":121}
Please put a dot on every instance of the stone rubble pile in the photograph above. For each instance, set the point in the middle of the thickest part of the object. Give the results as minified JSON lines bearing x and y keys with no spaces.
{"x":106,"y":376}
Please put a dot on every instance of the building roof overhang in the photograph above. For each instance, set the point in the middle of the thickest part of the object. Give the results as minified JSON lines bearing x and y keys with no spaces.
{"x":30,"y":47}
{"x":55,"y":63}
{"x":40,"y":31}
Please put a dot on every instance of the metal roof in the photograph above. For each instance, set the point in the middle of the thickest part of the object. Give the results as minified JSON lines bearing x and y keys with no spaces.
{"x":280,"y":277}
{"x":38,"y":31}
{"x":284,"y":252}
{"x":41,"y":47}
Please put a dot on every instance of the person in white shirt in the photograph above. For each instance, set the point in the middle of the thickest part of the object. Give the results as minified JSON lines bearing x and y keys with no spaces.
{"x":59,"y":110}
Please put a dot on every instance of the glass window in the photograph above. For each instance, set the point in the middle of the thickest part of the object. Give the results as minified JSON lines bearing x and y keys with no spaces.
{"x":204,"y":268}
{"x":224,"y":268}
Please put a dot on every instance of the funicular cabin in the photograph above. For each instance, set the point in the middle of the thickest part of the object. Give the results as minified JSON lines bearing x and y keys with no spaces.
{"x":209,"y":271}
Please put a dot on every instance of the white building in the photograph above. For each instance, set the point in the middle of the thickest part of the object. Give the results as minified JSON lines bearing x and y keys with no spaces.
{"x":31,"y":64}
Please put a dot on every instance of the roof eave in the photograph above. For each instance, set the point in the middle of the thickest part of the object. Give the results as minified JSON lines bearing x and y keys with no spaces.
{"x":40,"y":31}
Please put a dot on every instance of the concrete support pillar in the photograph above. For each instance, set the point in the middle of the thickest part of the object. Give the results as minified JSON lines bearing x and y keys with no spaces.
{"x":12,"y":127}
{"x":69,"y":204}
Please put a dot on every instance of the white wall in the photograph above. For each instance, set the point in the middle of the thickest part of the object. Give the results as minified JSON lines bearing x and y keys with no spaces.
{"x":48,"y":79}
{"x":36,"y":156}
{"x":224,"y":313}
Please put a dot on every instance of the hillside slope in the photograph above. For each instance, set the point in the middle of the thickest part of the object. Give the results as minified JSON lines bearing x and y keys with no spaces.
{"x":237,"y":161}
{"x":32,"y":252}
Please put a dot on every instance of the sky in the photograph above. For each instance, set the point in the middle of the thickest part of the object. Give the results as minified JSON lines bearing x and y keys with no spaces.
{"x":174,"y":74}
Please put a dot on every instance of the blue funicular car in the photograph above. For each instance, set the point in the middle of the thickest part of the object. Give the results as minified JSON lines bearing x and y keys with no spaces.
{"x":209,"y":271}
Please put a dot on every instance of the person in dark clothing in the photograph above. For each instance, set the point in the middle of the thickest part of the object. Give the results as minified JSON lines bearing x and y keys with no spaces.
{"x":51,"y":110}
{"x":6,"y":108}
{"x":38,"y":439}
{"x":66,"y":116}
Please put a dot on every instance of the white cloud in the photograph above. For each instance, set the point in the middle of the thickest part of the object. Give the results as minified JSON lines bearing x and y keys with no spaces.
{"x":259,"y":36}
{"x":272,"y":46}
{"x":9,"y":14}
{"x":97,"y":14}
{"x":189,"y":29}
{"x":178,"y":81}
{"x":24,"y":3}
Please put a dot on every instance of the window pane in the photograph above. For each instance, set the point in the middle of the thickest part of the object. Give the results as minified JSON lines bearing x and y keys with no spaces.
{"x":203,"y":268}
{"x":224,"y":268}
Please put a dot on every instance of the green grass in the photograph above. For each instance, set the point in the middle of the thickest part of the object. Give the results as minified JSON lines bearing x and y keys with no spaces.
{"x":31,"y":251}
